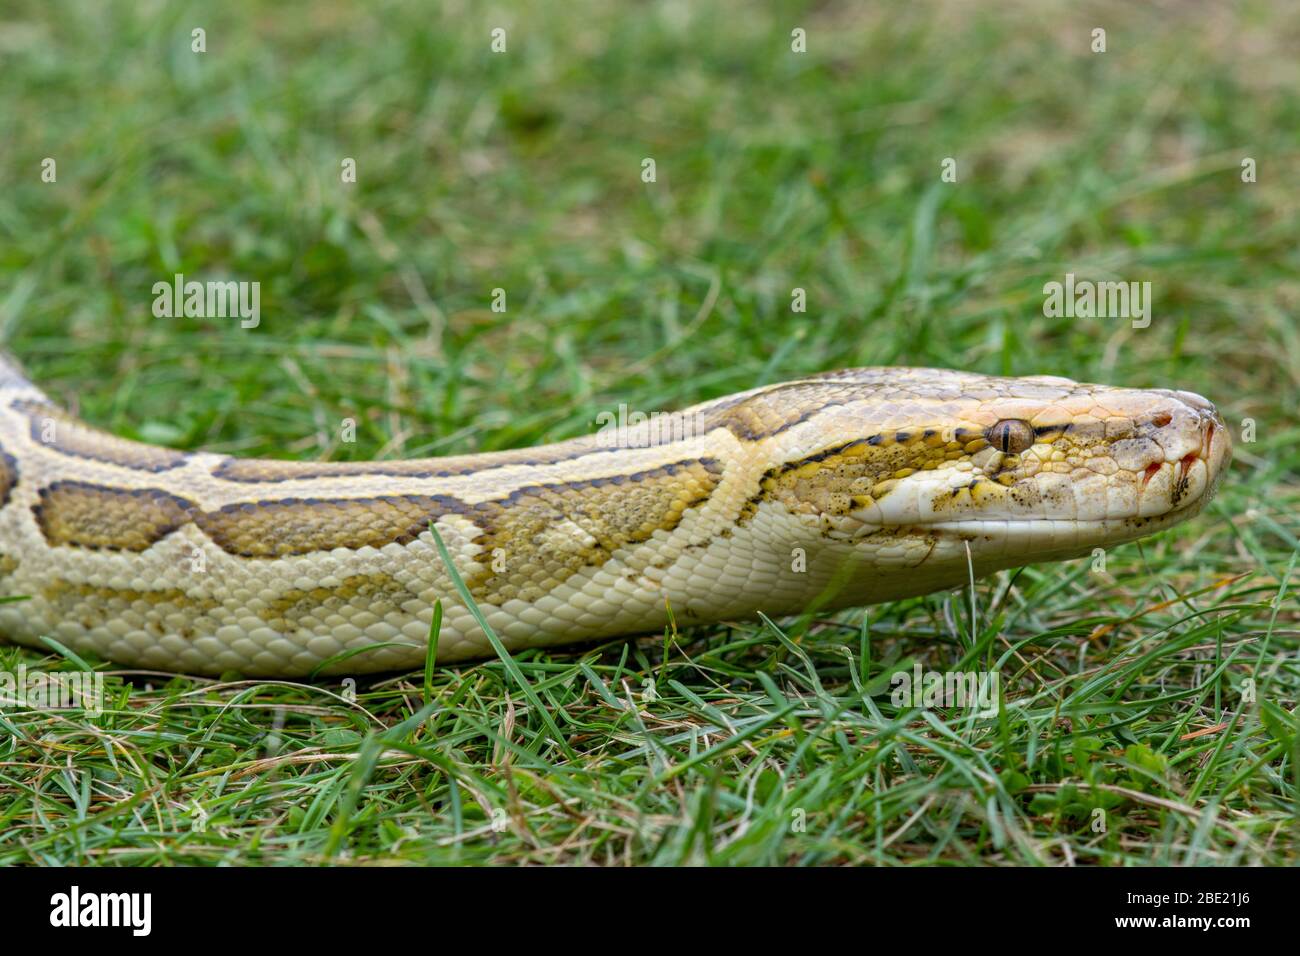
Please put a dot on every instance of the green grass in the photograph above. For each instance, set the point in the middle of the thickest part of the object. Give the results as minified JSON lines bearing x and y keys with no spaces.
{"x":742,"y":743}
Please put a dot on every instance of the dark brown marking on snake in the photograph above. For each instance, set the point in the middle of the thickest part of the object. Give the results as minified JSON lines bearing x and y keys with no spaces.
{"x":57,"y":430}
{"x":98,"y":517}
{"x":258,"y":470}
{"x":8,"y":476}
{"x":560,"y":527}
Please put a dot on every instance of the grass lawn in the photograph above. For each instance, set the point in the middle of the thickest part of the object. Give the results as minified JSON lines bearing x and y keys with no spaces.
{"x":1160,"y":691}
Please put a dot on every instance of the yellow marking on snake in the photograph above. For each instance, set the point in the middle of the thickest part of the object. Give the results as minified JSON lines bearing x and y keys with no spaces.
{"x":296,"y":606}
{"x":546,"y":533}
{"x":884,"y":480}
{"x":77,"y":513}
{"x":277,"y":529}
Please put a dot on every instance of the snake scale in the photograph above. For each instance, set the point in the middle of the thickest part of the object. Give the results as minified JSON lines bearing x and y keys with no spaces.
{"x":835,"y":490}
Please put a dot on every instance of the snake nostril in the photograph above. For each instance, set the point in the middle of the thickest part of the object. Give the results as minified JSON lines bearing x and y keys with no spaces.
{"x":1161,"y":419}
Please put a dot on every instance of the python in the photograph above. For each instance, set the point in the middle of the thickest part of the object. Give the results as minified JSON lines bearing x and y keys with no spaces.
{"x":892,"y":481}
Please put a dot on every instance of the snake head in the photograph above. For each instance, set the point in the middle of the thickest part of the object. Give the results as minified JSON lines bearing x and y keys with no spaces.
{"x":1013,"y":470}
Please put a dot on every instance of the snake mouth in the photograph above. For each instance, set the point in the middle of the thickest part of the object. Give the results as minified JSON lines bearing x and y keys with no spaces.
{"x":1027,"y":530}
{"x":1182,"y":493}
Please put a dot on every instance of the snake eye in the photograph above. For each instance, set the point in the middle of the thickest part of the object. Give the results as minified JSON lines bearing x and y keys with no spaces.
{"x":1011,"y":436}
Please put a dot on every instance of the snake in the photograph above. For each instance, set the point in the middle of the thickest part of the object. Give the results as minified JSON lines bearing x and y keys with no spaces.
{"x":830,"y":491}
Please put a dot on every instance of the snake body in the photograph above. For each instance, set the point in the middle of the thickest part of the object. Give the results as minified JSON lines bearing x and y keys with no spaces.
{"x":836,"y":490}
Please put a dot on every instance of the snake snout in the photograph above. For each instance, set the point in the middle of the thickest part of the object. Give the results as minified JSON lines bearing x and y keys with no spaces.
{"x":1196,"y":447}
